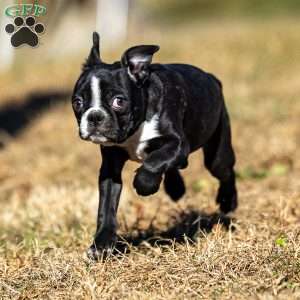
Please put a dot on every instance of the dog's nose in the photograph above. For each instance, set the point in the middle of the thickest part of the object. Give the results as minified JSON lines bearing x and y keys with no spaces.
{"x":95,"y":117}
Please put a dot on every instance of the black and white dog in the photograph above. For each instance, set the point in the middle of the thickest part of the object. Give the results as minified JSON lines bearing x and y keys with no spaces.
{"x":155,"y":114}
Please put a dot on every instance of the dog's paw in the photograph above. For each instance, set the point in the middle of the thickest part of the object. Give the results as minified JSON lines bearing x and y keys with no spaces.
{"x":227,"y":198}
{"x":98,"y":253}
{"x":145,"y":182}
{"x":103,"y":245}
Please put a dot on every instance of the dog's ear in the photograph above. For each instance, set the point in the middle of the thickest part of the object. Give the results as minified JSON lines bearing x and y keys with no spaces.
{"x":137,"y":60}
{"x":94,"y":56}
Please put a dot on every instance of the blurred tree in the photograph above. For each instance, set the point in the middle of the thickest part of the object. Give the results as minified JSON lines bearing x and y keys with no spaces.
{"x":111,"y":16}
{"x":112,"y":21}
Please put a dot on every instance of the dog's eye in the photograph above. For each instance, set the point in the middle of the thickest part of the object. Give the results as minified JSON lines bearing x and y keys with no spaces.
{"x":77,"y":104}
{"x":118,"y":103}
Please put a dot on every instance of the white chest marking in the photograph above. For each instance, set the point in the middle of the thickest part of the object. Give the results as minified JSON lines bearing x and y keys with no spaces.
{"x":137,"y":143}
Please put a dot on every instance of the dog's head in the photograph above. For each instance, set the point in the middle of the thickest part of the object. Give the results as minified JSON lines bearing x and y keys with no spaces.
{"x":109,"y":99}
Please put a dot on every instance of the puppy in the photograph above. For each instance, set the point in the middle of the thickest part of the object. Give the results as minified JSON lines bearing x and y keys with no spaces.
{"x":155,"y":114}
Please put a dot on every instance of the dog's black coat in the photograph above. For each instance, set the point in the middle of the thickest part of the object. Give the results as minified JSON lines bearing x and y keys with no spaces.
{"x":191,"y":114}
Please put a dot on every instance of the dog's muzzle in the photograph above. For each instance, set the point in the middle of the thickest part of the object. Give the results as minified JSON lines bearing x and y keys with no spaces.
{"x":92,"y":125}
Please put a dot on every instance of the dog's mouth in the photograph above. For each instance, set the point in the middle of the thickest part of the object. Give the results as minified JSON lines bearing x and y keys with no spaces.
{"x":98,"y":137}
{"x":95,"y":137}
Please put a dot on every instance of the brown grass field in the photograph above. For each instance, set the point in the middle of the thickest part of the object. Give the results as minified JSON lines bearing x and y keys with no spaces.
{"x":184,"y":250}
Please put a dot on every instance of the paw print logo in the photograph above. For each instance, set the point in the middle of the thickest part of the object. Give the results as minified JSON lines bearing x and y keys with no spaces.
{"x":25,"y":31}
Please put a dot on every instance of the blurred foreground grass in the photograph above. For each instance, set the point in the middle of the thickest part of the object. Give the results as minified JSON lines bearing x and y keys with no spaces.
{"x":48,"y":190}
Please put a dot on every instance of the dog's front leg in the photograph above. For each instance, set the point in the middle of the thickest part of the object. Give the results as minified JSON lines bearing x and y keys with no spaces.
{"x":110,"y":186}
{"x":173,"y":154}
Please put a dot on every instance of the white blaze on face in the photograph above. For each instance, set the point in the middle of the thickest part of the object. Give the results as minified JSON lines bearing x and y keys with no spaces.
{"x":96,"y":93}
{"x":95,"y":106}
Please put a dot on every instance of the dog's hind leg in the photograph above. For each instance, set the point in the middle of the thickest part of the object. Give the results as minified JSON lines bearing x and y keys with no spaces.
{"x":174,"y":184}
{"x":219,"y":159}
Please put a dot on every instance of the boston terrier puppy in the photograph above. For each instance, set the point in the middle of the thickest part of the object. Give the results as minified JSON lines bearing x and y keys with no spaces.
{"x":154,"y":114}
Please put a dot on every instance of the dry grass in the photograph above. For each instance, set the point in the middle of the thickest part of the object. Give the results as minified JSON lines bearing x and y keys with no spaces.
{"x":48,"y":189}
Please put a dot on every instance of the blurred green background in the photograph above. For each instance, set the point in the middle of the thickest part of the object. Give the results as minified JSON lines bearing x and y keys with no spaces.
{"x":69,"y":23}
{"x":176,"y":10}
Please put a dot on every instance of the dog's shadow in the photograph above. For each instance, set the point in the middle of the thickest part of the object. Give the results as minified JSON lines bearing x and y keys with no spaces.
{"x":16,"y":115}
{"x":187,"y":226}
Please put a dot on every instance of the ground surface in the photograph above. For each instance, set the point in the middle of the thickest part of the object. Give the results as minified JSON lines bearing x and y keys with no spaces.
{"x":48,"y":193}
